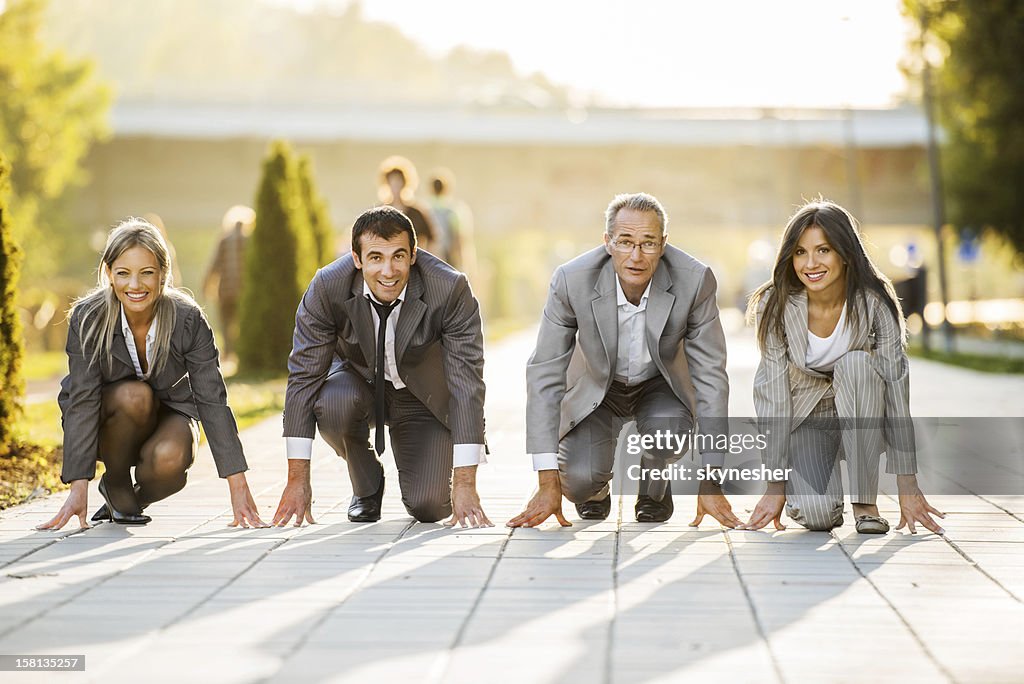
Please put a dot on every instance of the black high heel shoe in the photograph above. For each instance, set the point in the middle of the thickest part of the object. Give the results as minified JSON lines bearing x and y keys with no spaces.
{"x":108,"y":512}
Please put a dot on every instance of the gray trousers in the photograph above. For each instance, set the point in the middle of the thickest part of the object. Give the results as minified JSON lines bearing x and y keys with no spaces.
{"x":586,"y":455}
{"x":847,"y":426}
{"x":421,"y":444}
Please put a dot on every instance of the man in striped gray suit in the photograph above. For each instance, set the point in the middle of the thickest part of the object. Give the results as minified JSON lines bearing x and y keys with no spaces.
{"x":630,"y":331}
{"x":388,"y":334}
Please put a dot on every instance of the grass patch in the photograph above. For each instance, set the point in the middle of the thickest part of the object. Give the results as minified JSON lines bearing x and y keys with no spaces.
{"x":978,"y":362}
{"x":29,"y":470}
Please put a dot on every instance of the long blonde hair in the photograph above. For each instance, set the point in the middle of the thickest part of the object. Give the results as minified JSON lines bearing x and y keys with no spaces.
{"x":101,"y":310}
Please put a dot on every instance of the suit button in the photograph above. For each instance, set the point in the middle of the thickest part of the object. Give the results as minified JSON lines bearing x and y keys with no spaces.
{"x":595,"y":405}
{"x":572,"y":423}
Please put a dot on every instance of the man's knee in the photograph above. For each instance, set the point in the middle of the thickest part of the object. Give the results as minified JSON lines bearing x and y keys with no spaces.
{"x":577,"y":488}
{"x":131,"y":399}
{"x":426,"y":509}
{"x":818,"y":516}
{"x":340,"y":408}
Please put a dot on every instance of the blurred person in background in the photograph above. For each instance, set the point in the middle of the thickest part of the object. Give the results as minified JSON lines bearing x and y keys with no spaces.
{"x":396,"y":186}
{"x":630,"y":331}
{"x":224,"y":277}
{"x":454,"y":222}
{"x":833,"y":382}
{"x":143,"y":372}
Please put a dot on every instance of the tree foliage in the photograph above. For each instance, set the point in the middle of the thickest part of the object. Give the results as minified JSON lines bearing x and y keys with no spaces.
{"x":316,"y":209}
{"x":11,"y":381}
{"x":279,"y":263}
{"x":980,"y":93}
{"x":51,"y":110}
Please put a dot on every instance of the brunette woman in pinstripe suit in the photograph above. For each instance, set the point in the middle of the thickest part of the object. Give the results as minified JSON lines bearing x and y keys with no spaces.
{"x":833,"y":381}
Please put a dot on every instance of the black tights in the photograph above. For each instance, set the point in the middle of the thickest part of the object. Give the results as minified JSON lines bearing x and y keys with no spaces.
{"x":137,"y":431}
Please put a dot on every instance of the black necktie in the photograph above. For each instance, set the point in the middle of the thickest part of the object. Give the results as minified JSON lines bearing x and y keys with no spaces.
{"x":379,"y":405}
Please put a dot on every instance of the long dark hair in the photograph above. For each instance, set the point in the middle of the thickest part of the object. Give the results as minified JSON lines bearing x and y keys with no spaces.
{"x":862,"y":276}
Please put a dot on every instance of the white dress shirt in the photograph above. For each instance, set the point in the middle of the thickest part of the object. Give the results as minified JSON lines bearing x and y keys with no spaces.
{"x":133,"y":351}
{"x":463,"y":454}
{"x":633,"y":362}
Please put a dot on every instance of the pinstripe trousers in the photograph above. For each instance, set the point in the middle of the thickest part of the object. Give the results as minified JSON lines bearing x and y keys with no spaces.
{"x":421,"y":444}
{"x":847,"y":425}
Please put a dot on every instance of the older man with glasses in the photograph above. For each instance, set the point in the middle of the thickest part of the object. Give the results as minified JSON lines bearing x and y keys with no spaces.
{"x":630,"y":331}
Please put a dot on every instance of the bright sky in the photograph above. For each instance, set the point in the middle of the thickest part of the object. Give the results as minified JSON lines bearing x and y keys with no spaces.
{"x":678,"y":52}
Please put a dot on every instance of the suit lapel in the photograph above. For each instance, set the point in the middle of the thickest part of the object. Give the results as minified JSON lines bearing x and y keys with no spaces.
{"x":358,"y":309}
{"x":796,"y":330}
{"x":411,"y":314}
{"x":119,"y":348}
{"x":605,"y":309}
{"x":659,"y":306}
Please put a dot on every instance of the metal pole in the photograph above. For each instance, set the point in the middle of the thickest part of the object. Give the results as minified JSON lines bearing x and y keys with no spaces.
{"x":935,"y":175}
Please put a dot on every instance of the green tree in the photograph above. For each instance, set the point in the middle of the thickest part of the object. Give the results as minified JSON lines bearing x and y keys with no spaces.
{"x":279,"y":263}
{"x":319,"y":217}
{"x":11,"y":382}
{"x":51,"y":111}
{"x":980,"y":95}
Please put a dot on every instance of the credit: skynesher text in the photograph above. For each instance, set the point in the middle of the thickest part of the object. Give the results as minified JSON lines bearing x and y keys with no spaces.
{"x":666,"y":440}
{"x":677,"y":471}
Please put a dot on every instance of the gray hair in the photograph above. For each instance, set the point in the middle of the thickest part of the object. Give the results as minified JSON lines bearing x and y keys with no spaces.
{"x":637,"y":201}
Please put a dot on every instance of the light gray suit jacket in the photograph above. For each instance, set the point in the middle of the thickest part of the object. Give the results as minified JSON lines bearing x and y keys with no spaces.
{"x":438,"y":344}
{"x":573,"y":364}
{"x":786,"y":389}
{"x":190,"y":382}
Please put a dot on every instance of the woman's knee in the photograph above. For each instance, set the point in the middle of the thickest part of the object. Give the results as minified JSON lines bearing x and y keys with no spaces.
{"x":131,"y":399}
{"x":170,"y":459}
{"x":817,"y":516}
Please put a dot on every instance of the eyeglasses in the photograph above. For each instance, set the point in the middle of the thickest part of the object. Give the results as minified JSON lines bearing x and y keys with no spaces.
{"x":627,"y":246}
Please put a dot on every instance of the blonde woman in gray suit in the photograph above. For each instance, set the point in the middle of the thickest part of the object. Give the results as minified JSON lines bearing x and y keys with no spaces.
{"x":833,"y":381}
{"x":143,"y":371}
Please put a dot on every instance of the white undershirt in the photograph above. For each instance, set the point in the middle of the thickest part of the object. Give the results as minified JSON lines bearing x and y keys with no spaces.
{"x":133,"y":351}
{"x":823,"y":352}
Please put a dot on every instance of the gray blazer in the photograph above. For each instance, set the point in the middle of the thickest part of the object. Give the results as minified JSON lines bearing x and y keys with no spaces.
{"x":785,"y":388}
{"x":190,"y":382}
{"x":573,"y":364}
{"x":439,"y":346}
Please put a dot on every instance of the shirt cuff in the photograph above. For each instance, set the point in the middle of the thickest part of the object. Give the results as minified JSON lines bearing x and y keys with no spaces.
{"x":545,"y":461}
{"x":299,"y":447}
{"x":468,"y":455}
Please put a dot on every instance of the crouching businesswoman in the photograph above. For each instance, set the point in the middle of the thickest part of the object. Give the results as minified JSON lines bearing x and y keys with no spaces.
{"x":833,"y":380}
{"x":143,"y":370}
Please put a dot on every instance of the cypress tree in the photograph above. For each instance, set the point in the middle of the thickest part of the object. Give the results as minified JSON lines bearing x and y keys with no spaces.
{"x":280,"y":261}
{"x":11,"y":383}
{"x":319,"y":217}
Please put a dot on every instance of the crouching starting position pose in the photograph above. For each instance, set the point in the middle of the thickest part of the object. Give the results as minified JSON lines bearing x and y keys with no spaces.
{"x":143,"y":371}
{"x":833,"y":381}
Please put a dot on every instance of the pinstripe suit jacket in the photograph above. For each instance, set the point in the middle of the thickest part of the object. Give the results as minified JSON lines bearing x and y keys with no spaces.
{"x":190,"y":382}
{"x":573,"y":364}
{"x":785,"y":388}
{"x":438,"y":344}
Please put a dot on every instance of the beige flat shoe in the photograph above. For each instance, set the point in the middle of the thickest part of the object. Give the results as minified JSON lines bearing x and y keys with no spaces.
{"x":872,"y":524}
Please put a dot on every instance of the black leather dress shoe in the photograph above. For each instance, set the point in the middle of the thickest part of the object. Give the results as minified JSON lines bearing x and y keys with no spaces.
{"x":116,"y":516}
{"x":367,"y":508}
{"x":102,"y":514}
{"x":595,"y":510}
{"x":650,"y":511}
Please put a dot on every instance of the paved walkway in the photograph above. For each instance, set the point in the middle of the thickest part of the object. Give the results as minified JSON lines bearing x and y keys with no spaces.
{"x":188,"y":599}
